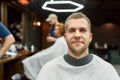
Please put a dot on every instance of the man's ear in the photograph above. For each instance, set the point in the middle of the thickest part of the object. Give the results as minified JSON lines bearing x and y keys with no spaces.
{"x":91,"y":36}
{"x":65,"y":36}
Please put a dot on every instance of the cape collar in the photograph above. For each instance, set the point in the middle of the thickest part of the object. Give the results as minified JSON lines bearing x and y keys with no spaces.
{"x":78,"y":62}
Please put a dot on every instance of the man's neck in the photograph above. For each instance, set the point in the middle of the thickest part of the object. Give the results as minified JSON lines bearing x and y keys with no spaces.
{"x":78,"y":55}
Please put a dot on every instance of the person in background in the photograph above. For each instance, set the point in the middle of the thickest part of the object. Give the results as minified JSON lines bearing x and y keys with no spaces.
{"x":77,"y":63}
{"x":33,"y":64}
{"x":53,"y":20}
{"x":6,"y":39}
{"x":59,"y":30}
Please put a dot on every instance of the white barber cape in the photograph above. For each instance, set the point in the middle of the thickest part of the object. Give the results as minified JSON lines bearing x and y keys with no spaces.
{"x":97,"y":69}
{"x":33,"y":64}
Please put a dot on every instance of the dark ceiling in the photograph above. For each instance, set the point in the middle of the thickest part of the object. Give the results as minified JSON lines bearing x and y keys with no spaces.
{"x":99,"y":11}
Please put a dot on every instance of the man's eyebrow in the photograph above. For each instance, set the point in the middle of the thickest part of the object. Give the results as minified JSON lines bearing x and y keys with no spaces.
{"x":83,"y":28}
{"x":70,"y":27}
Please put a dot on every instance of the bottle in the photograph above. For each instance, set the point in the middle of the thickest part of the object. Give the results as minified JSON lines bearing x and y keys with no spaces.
{"x":25,"y":47}
{"x":32,"y":48}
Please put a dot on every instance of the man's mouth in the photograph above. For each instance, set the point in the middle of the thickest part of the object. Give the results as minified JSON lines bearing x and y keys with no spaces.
{"x":78,"y":42}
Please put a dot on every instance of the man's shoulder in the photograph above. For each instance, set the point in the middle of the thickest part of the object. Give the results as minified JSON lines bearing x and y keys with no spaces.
{"x":106,"y":68}
{"x":101,"y":62}
{"x":53,"y":63}
{"x":4,"y":31}
{"x":51,"y":27}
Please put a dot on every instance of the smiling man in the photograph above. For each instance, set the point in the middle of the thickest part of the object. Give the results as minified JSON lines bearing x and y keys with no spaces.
{"x":78,"y":64}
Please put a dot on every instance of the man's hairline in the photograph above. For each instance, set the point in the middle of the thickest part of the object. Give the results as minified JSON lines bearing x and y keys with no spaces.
{"x":66,"y":23}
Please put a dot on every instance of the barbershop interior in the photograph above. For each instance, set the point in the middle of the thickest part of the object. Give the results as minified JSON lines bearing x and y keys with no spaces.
{"x":27,"y":22}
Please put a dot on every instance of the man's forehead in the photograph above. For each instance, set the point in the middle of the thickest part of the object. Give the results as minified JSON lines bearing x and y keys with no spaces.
{"x":77,"y":22}
{"x":83,"y":20}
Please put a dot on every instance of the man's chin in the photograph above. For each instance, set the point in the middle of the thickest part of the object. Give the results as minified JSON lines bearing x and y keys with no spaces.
{"x":77,"y":50}
{"x":77,"y":45}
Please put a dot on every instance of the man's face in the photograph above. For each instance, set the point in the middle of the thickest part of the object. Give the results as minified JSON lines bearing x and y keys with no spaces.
{"x":52,"y":22}
{"x":56,"y":31}
{"x":78,"y":36}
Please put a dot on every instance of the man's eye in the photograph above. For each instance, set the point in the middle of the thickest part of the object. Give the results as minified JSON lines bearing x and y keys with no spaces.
{"x":83,"y":30}
{"x":72,"y":30}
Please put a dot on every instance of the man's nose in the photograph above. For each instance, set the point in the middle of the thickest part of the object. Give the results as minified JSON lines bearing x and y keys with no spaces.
{"x":77,"y":34}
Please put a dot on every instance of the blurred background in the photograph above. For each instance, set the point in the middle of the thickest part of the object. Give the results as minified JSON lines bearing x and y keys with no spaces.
{"x":26,"y":20}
